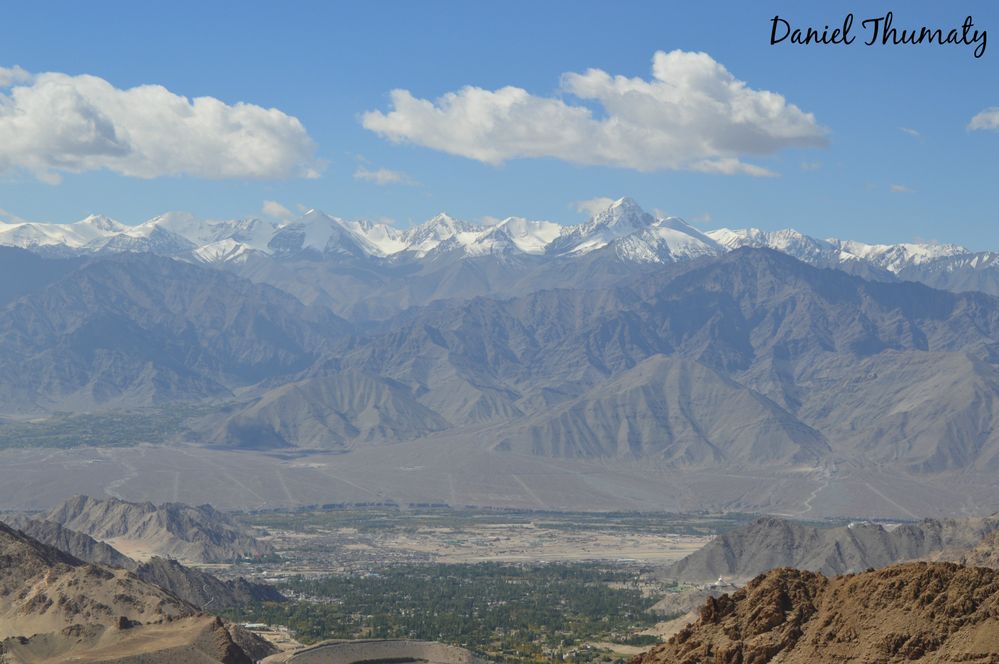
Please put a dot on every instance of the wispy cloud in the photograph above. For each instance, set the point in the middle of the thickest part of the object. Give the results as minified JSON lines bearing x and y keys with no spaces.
{"x":55,"y":123}
{"x":693,"y":114}
{"x":900,"y":189}
{"x":275,"y":210}
{"x":810,"y":165}
{"x":382,"y":176}
{"x":910,"y":132}
{"x":13,"y":218}
{"x":591,"y":206}
{"x":987,"y":119}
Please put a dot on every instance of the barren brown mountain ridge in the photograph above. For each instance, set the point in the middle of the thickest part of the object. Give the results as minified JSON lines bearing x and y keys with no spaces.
{"x":198,"y":534}
{"x":56,"y":608}
{"x":930,"y":612}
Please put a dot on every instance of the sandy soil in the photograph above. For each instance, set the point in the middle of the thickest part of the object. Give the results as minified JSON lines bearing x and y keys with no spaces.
{"x":518,"y":542}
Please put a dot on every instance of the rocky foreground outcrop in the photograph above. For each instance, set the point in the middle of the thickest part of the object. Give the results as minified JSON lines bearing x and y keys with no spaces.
{"x":985,"y":553}
{"x":192,"y":585}
{"x":934,"y":612}
{"x":57,"y":608}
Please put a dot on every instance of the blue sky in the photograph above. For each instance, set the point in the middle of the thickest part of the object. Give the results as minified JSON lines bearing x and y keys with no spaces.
{"x":327,"y":64}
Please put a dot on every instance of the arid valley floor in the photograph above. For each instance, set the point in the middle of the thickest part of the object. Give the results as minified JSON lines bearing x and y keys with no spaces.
{"x":458,"y":474}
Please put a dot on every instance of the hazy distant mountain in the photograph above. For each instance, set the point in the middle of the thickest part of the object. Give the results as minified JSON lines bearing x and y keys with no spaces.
{"x":674,"y":409}
{"x":328,"y":412}
{"x":140,"y":329}
{"x":23,"y":272}
{"x":630,"y":336}
{"x":928,"y":411}
{"x":768,"y":543}
{"x":959,"y":272}
{"x":199,"y":534}
{"x":895,"y":372}
{"x":748,"y":357}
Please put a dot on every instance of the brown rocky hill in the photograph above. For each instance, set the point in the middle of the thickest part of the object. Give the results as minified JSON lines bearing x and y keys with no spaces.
{"x":194,"y":586}
{"x":198,"y":534}
{"x":202,"y":589}
{"x":56,"y":608}
{"x":79,"y":545}
{"x":984,"y":554}
{"x":934,"y":612}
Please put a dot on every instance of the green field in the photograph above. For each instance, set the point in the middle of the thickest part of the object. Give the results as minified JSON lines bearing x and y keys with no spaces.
{"x":411,"y":520}
{"x":110,"y":429}
{"x":513,"y":613}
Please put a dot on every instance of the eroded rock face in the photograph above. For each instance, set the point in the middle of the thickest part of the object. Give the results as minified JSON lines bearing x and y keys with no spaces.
{"x":197,"y":534}
{"x":985,"y":553}
{"x":55,"y":606}
{"x":906,"y":612}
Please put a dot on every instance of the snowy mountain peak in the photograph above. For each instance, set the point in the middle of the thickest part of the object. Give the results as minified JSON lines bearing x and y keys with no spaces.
{"x":444,"y":225}
{"x":895,"y":257}
{"x":621,"y":218}
{"x":184,"y":224}
{"x":625,"y":204}
{"x":622,"y":230}
{"x":427,"y":236}
{"x":317,"y":232}
{"x":101,"y":224}
{"x":60,"y":237}
{"x":667,"y":240}
{"x":891,"y":257}
{"x":788,"y":241}
{"x":511,"y":235}
{"x":624,"y":213}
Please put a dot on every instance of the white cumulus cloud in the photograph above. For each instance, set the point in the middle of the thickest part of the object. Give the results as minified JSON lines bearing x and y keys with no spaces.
{"x":11,"y":75}
{"x":53,"y":123}
{"x":693,"y":115}
{"x":987,"y":119}
{"x":381,"y":176}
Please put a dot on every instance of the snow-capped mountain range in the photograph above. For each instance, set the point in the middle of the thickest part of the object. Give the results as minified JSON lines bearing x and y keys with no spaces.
{"x":623,"y":230}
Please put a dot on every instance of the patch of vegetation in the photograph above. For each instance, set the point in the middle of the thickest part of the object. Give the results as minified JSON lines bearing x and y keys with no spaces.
{"x":511,"y":613}
{"x":110,"y":429}
{"x":396,"y":520}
